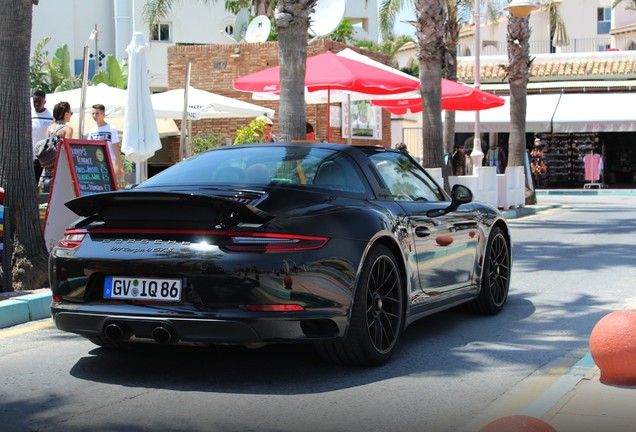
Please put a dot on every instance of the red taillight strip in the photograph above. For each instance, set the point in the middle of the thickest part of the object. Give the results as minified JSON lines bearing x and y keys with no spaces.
{"x":242,"y":241}
{"x":274,"y":307}
{"x":273,"y":242}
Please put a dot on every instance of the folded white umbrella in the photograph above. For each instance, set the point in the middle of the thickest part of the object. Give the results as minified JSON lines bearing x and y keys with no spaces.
{"x":141,"y":137}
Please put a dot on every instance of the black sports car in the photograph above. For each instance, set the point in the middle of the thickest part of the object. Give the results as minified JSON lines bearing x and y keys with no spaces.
{"x":339,"y":245}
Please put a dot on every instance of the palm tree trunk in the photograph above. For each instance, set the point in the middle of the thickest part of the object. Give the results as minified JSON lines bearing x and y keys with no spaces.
{"x":518,"y":76}
{"x":292,"y":22}
{"x":29,"y":257}
{"x":430,"y":35}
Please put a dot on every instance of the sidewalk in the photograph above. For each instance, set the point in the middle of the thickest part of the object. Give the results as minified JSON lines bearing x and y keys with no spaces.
{"x":566,"y":398}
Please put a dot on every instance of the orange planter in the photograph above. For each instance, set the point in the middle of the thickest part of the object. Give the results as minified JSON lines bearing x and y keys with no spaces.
{"x":517,"y":423}
{"x":613,"y":348}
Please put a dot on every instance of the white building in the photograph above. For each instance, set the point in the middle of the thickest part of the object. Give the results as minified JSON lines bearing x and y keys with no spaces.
{"x":71,"y":22}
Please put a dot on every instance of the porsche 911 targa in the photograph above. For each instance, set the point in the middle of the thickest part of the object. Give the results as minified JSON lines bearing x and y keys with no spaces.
{"x":340,"y":246}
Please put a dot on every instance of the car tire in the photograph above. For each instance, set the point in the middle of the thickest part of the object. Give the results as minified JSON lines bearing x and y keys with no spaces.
{"x":495,"y":279}
{"x":377,"y":315}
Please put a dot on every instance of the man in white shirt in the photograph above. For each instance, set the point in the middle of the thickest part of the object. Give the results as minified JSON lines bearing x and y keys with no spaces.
{"x":106,"y":132}
{"x":41,"y":119}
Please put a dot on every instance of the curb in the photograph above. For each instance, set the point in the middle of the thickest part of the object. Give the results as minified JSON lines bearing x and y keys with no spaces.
{"x":528,"y":210}
{"x":25,"y":308}
{"x":538,"y":394}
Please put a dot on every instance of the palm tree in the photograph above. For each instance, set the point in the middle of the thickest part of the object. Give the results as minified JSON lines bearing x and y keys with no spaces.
{"x":291,"y":19}
{"x":24,"y":242}
{"x":292,"y":22}
{"x":430,"y":31}
{"x":430,"y":36}
{"x":518,"y":77}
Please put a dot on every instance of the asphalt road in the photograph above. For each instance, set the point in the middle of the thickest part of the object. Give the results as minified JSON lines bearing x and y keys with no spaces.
{"x":572,"y":266}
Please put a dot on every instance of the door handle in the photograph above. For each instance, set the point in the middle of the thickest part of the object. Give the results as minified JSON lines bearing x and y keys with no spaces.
{"x":422,"y":232}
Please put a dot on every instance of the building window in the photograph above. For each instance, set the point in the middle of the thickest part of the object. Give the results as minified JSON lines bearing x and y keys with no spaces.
{"x":160,"y":32}
{"x":604,"y":17}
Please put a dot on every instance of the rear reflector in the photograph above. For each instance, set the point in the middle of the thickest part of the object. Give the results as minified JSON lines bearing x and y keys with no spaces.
{"x":274,"y":307}
{"x":56,"y":299}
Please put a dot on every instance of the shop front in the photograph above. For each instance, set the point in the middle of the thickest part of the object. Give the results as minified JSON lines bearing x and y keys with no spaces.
{"x":573,"y":140}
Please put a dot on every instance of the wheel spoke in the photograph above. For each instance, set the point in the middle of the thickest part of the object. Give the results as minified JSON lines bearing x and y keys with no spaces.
{"x":384,"y":304}
{"x":499,"y":269}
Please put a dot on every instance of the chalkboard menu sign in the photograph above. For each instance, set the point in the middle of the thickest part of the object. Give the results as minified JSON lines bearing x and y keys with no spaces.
{"x":83,"y":167}
{"x":92,"y":168}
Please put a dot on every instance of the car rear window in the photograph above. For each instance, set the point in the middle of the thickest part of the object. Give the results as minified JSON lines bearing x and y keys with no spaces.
{"x":263,"y":165}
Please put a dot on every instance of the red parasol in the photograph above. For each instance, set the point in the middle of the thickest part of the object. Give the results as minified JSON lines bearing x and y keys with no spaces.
{"x":455,"y":97}
{"x":328,"y":71}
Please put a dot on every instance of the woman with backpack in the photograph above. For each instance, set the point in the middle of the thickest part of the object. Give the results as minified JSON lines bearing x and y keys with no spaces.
{"x":59,"y":129}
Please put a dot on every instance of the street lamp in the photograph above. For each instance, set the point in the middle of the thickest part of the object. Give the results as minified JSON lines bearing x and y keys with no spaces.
{"x":521,"y":8}
{"x":477,"y":155}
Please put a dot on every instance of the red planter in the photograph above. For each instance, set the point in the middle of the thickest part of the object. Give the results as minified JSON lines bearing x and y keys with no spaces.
{"x":613,"y":348}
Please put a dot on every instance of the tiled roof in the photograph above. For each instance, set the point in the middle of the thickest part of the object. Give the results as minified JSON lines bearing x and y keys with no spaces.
{"x":554,"y":67}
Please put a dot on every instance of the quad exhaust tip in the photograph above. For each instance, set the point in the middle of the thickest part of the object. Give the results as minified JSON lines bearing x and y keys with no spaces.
{"x":116,"y":332}
{"x":163,"y":335}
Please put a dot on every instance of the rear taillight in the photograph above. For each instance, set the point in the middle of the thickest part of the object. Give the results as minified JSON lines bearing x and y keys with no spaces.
{"x":71,"y":239}
{"x":269,"y":242}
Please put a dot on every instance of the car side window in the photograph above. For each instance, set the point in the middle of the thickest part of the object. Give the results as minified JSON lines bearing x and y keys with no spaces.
{"x":405,"y":179}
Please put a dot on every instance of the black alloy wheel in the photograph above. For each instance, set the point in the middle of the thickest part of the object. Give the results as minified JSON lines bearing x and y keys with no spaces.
{"x":495,"y":281}
{"x":377,"y":318}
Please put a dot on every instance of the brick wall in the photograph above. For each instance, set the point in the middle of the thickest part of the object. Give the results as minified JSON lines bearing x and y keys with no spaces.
{"x":213,"y":67}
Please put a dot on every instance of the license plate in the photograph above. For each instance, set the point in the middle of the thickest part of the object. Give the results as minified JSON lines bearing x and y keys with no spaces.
{"x":168,"y":290}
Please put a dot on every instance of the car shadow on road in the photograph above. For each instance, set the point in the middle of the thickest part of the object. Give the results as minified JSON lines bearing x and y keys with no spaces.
{"x":431,"y":346}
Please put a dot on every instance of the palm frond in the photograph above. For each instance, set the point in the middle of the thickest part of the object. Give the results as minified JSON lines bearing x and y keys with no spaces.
{"x":388,"y":12}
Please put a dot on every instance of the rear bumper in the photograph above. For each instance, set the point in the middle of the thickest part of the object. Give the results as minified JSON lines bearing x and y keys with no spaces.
{"x":239,"y":329}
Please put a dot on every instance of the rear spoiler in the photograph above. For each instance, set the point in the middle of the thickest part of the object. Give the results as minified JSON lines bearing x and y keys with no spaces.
{"x":154,"y":206}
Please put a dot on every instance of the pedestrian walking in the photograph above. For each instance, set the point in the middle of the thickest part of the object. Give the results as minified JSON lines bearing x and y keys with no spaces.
{"x":41,"y":119}
{"x":107,"y":132}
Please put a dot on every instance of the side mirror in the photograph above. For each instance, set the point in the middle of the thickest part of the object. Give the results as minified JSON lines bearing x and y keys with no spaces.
{"x":459,"y":195}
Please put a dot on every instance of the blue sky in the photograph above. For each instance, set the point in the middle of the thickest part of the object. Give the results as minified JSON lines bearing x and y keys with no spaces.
{"x":407,"y":14}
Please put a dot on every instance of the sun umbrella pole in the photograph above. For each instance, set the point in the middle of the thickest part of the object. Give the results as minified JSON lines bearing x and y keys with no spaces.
{"x":328,"y":115}
{"x":84,"y":83}
{"x":350,"y":139}
{"x":184,"y":117}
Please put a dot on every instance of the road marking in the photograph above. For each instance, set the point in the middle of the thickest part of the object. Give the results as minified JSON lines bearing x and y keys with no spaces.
{"x":27,"y":329}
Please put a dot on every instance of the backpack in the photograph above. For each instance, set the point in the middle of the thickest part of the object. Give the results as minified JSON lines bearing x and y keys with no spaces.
{"x":46,"y":149}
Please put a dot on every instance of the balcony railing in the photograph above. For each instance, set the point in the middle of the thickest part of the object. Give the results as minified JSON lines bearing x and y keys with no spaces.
{"x":576,"y":45}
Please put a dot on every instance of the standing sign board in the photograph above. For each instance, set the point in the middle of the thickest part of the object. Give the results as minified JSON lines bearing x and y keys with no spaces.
{"x":83,"y":167}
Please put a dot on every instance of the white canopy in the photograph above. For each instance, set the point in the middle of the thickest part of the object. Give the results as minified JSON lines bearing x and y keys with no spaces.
{"x":595,"y":112}
{"x":560,"y":113}
{"x":539,"y":112}
{"x":115,"y":101}
{"x":113,"y":98}
{"x":204,"y":105}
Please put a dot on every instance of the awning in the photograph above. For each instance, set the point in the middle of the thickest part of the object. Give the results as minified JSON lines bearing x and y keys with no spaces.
{"x":595,"y":112}
{"x":560,"y":113}
{"x":539,"y":112}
